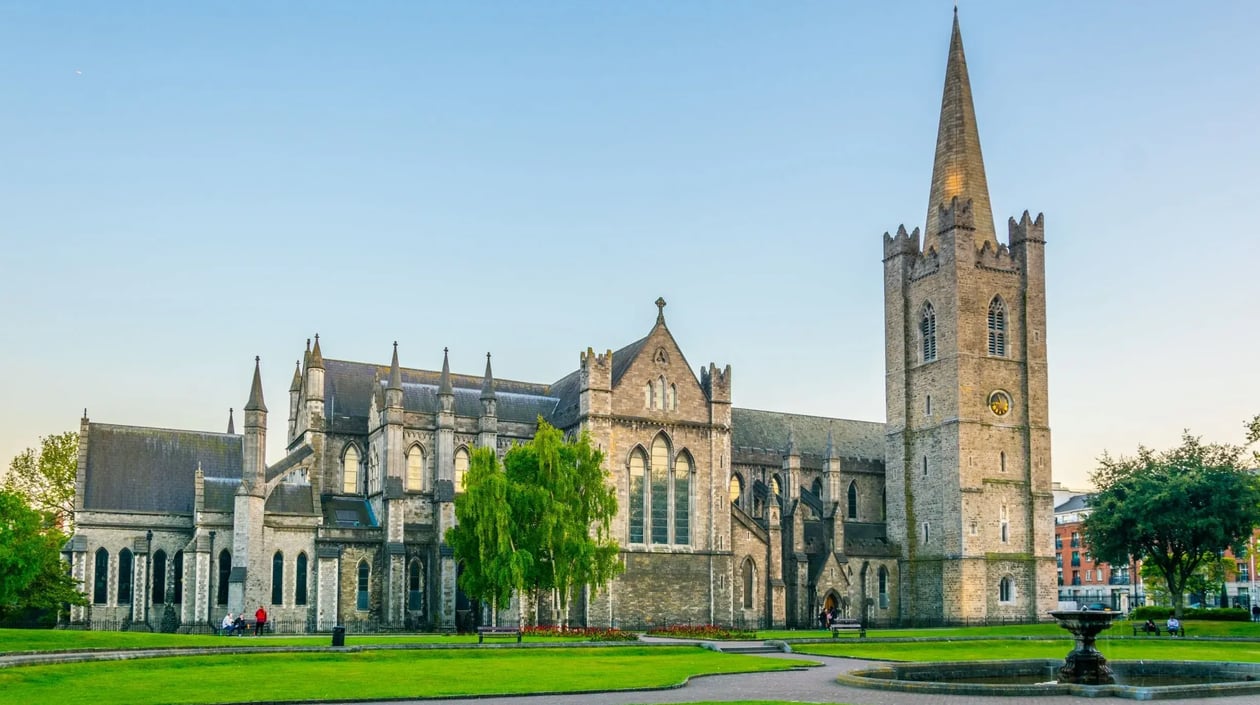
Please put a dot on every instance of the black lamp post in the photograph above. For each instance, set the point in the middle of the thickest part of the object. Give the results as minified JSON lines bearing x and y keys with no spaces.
{"x":148,"y":576}
{"x":209,"y":578}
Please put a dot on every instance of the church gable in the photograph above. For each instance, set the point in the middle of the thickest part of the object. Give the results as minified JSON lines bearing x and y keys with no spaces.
{"x":652,"y":379}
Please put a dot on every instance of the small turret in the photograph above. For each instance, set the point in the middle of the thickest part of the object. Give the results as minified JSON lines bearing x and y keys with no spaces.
{"x":231,"y":423}
{"x":295,"y":399}
{"x":254,"y":449}
{"x":255,"y":402}
{"x":317,"y":358}
{"x":446,"y":393}
{"x":488,"y":424}
{"x":487,"y":383}
{"x":394,"y":391}
{"x":315,"y":388}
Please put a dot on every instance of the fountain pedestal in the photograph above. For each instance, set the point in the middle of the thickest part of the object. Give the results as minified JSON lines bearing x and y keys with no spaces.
{"x":1085,"y":664}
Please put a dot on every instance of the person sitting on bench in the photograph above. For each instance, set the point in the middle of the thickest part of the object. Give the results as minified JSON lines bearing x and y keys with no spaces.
{"x":228,"y":626}
{"x":1150,"y":627}
{"x":1174,"y":626}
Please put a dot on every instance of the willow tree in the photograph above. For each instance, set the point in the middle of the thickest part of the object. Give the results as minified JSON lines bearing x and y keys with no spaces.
{"x":1175,"y":510}
{"x":492,"y":566}
{"x":565,"y":506}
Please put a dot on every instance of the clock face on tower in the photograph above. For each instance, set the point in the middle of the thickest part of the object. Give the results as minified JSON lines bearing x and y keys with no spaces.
{"x":999,"y":403}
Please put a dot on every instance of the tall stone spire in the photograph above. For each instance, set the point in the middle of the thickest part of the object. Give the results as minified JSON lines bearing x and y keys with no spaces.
{"x":487,"y":384}
{"x":444,"y":384}
{"x":317,"y":358}
{"x":231,"y":423}
{"x":255,"y":402}
{"x":395,"y":374}
{"x":959,"y":166}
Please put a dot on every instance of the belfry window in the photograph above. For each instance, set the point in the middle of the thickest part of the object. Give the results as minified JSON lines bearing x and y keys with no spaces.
{"x":350,"y":471}
{"x":927,"y":327}
{"x":997,"y":327}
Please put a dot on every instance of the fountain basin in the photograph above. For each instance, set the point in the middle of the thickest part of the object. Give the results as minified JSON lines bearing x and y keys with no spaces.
{"x":1135,"y":680}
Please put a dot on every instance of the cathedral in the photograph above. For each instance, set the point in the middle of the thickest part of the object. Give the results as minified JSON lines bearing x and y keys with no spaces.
{"x":941,"y":514}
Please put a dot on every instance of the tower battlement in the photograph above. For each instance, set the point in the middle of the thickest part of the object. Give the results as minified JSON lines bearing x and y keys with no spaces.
{"x":595,"y":369}
{"x":716,"y":382}
{"x":1027,"y":229}
{"x":902,"y":243}
{"x":958,"y":215}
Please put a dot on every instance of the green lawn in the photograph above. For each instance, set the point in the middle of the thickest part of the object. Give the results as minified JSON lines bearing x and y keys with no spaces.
{"x":12,"y":640}
{"x":1121,"y":628}
{"x":1166,"y":648}
{"x":372,"y":674}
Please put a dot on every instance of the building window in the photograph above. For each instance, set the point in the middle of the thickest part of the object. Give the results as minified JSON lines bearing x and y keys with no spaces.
{"x":682,"y":499}
{"x":225,"y":574}
{"x":1058,"y":542}
{"x":1244,"y":573}
{"x":637,"y":504}
{"x":974,"y":529}
{"x":853,"y":514}
{"x":926,"y":532}
{"x":177,"y":570}
{"x":415,"y":468}
{"x":361,"y":599}
{"x":159,"y":578}
{"x":299,"y":581}
{"x":997,"y":327}
{"x":277,"y":579}
{"x":100,"y":577}
{"x":1058,"y":559}
{"x":776,"y":486}
{"x":461,"y":468}
{"x":659,"y":493}
{"x":747,"y":575}
{"x":883,"y":588}
{"x":415,"y":588}
{"x":660,"y":398}
{"x":649,"y":395}
{"x":1076,"y":577}
{"x":1076,"y":539}
{"x":927,"y":327}
{"x":925,"y":466}
{"x":350,"y":471}
{"x":1002,"y":461}
{"x":673,"y":397}
{"x":1005,"y":525}
{"x":927,"y":406}
{"x":736,"y":489}
{"x":1076,"y":558}
{"x":1006,"y":590}
{"x":126,"y":566}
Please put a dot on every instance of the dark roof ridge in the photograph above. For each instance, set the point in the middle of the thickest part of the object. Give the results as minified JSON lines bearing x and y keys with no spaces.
{"x":810,"y":416}
{"x":162,"y":428}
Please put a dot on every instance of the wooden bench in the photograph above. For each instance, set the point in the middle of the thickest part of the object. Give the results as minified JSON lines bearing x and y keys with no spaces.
{"x":1141,"y":630}
{"x":847,"y":625}
{"x":483,"y":632}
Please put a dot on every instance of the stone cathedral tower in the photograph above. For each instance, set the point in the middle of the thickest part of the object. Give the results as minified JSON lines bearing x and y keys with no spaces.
{"x":968,"y":437}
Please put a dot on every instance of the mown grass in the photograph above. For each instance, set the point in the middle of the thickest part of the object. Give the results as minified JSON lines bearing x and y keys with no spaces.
{"x":231,"y":678}
{"x":17,"y":640}
{"x":1048,"y":629}
{"x":1163,"y":649}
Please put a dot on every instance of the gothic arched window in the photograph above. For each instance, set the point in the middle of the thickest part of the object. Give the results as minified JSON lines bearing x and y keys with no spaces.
{"x":736,"y":489}
{"x":638,"y":465}
{"x":100,"y":577}
{"x":1006,"y":590}
{"x":299,"y":581}
{"x":658,"y":495}
{"x":415,"y":468}
{"x":853,"y":496}
{"x":277,"y":579}
{"x":126,"y":567}
{"x":883,"y":588}
{"x":997,"y":327}
{"x":461,"y":468}
{"x":225,"y":573}
{"x":649,"y":395}
{"x":682,"y":499}
{"x":747,"y":574}
{"x":350,"y":470}
{"x":361,"y":596}
{"x":177,"y":572}
{"x":415,"y":586}
{"x":927,"y":327}
{"x":159,"y":578}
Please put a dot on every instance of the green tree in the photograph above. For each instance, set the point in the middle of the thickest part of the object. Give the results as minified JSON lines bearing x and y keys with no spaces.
{"x":483,"y":540}
{"x":45,"y":477}
{"x":1174,"y":510}
{"x":542,"y":522}
{"x":32,"y":574}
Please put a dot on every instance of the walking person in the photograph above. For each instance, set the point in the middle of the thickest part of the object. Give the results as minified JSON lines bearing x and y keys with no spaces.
{"x":260,"y":620}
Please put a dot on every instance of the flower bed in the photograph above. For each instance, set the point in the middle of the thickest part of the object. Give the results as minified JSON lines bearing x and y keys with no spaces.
{"x":703,"y":631}
{"x":587,"y":633}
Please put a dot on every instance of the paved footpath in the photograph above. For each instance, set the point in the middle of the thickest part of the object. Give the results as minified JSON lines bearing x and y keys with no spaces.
{"x":814,"y":685}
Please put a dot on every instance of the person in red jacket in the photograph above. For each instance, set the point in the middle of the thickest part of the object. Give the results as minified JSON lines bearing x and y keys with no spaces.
{"x":260,"y":620}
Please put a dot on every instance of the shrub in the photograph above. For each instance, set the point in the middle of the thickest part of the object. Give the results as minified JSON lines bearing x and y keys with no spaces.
{"x":1158,"y":613}
{"x":703,"y":631}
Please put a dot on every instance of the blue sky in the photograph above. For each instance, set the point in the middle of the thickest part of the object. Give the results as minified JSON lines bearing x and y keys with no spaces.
{"x":190,"y":185}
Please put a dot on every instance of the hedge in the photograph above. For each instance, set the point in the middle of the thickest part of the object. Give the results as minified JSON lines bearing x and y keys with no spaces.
{"x":1228,"y":614}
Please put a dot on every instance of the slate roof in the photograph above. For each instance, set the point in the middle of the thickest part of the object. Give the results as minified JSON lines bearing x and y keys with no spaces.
{"x":220,"y":494}
{"x":755,"y":429}
{"x":1074,"y":503}
{"x":137,"y":468}
{"x":291,"y":499}
{"x":867,"y":539}
{"x":349,"y":386}
{"x":623,"y":357}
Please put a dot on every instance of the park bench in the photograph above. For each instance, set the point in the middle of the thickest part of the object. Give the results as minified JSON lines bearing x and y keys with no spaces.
{"x":1180,"y":631}
{"x":847,"y":625}
{"x":1141,"y":630}
{"x":483,"y":632}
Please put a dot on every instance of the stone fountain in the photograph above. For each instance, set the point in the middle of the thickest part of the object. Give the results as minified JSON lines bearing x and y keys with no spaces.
{"x":1085,"y":664}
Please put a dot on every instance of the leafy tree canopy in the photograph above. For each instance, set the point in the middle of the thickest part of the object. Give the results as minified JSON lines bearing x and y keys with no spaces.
{"x":1174,"y":510}
{"x":542,"y":521}
{"x":45,"y":477}
{"x":32,"y":574}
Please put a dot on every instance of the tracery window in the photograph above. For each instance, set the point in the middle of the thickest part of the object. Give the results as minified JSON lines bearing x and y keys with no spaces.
{"x":350,"y":470}
{"x":997,"y":327}
{"x":415,"y":468}
{"x":660,"y":495}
